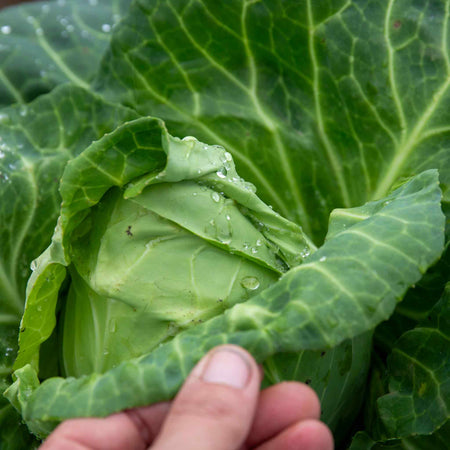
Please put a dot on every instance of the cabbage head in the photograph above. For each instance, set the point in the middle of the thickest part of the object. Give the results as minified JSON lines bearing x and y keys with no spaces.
{"x":157,"y":235}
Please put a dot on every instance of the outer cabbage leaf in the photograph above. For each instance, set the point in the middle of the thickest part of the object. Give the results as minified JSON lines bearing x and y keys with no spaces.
{"x":322,"y":104}
{"x":36,"y":142}
{"x":48,"y":43}
{"x":419,"y":384}
{"x":412,"y":410}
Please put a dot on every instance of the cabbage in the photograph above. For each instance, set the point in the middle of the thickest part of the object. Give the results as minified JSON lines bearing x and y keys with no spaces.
{"x":304,"y":221}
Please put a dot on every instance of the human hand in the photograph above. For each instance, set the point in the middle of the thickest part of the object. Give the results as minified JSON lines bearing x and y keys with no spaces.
{"x":219,"y":407}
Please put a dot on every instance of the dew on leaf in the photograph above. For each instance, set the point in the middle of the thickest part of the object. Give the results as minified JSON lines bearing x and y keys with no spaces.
{"x":106,"y":27}
{"x":215,"y":196}
{"x":305,"y":252}
{"x":324,"y":258}
{"x":228,"y":156}
{"x":250,"y":283}
{"x":5,"y":29}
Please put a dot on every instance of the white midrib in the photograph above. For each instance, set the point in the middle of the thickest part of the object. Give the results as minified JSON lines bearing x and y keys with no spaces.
{"x":405,"y":149}
{"x":330,"y":151}
{"x":57,"y":59}
{"x":269,"y":123}
{"x":407,"y":145}
{"x":15,"y":93}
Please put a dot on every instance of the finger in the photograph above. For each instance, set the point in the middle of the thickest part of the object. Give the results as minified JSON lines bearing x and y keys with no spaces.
{"x":134,"y":430}
{"x":281,"y":406}
{"x":216,"y":406}
{"x":307,"y":435}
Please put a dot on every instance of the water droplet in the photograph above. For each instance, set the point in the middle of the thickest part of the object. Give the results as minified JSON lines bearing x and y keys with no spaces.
{"x":216,"y":197}
{"x":5,"y":29}
{"x":23,"y":112}
{"x":258,"y":243}
{"x":2,"y":154}
{"x":30,"y":19}
{"x":64,"y":21}
{"x":45,"y":8}
{"x":305,"y":252}
{"x":33,"y":265}
{"x":189,"y":138}
{"x":70,"y":28}
{"x":194,"y":194}
{"x":228,"y":217}
{"x":93,"y":2}
{"x":250,"y":283}
{"x":106,"y":27}
{"x":205,"y":147}
{"x":246,"y":245}
{"x":221,"y":174}
{"x":39,"y":308}
{"x":106,"y":353}
{"x":323,"y":259}
{"x":228,"y":156}
{"x":387,"y":202}
{"x":4,"y":118}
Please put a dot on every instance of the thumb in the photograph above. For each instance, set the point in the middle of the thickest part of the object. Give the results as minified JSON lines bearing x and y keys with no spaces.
{"x":214,"y":409}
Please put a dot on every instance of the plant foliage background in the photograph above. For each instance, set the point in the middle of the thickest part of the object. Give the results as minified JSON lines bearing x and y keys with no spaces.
{"x":323,"y":104}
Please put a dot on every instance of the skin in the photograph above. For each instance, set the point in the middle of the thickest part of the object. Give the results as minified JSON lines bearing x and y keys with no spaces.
{"x":219,"y":407}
